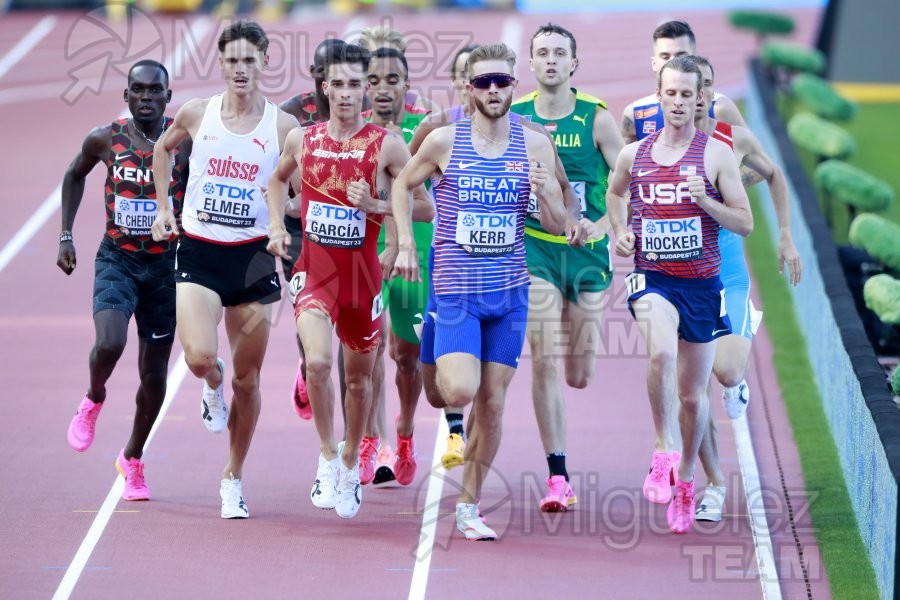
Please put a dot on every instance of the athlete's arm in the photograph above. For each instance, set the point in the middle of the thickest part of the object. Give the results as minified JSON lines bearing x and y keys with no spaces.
{"x":617,"y":200}
{"x":628,"y":132}
{"x":187,"y":121}
{"x":277,"y":193}
{"x":93,"y":149}
{"x":544,"y":184}
{"x":756,"y":159}
{"x":733,"y":213}
{"x":429,"y":160}
{"x":726,"y":110}
{"x":608,"y":141}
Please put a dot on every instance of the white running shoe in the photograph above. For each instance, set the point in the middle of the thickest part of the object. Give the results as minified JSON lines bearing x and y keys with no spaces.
{"x":212,"y":405}
{"x":470,"y":523}
{"x":324,"y":490}
{"x":710,"y":507}
{"x":349,"y":491}
{"x":736,"y":399}
{"x":233,"y":505}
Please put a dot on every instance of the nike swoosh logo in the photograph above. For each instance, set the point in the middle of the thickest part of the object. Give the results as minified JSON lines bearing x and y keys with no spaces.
{"x":156,"y":336}
{"x":643,"y":173}
{"x":717,"y":331}
{"x":464,"y":166}
{"x":368,"y":338}
{"x":121,"y":156}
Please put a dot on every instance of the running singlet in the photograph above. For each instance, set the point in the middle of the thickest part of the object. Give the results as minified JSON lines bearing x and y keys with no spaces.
{"x":224,"y":203}
{"x":309,"y":112}
{"x":131,"y":195}
{"x":723,"y":133}
{"x":481,"y":204}
{"x":648,"y":115}
{"x":336,"y":233}
{"x":673,"y":235}
{"x":584,"y":163}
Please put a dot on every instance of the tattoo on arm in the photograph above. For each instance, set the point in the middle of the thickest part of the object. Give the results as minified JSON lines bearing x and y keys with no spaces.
{"x":749,"y":177}
{"x":383,"y":195}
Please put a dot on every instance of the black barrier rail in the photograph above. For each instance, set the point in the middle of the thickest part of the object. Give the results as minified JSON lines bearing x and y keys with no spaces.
{"x":869,"y":373}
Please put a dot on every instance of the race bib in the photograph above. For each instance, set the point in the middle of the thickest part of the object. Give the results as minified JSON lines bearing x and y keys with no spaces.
{"x":534,"y":207}
{"x":296,"y":285}
{"x":671,"y":240}
{"x":486,"y":234}
{"x":377,"y":306}
{"x":134,"y":216}
{"x":231,"y":205}
{"x":635,"y":282}
{"x":335,"y":226}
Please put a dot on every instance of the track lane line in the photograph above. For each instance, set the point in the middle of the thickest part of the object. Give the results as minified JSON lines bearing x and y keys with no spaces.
{"x":26,"y":44}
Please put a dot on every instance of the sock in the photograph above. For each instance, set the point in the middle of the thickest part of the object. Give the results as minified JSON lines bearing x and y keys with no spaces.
{"x":557,"y":463}
{"x":455,"y":423}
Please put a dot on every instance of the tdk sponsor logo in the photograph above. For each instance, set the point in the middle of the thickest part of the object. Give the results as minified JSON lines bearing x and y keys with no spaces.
{"x":229,"y":191}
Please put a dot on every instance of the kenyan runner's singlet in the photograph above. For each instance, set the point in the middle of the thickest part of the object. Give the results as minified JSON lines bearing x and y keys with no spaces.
{"x":224,"y":203}
{"x":131,"y":194}
{"x":673,"y":235}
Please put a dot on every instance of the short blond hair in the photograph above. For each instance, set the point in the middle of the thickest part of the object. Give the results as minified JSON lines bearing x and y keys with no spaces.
{"x":491,"y":52}
{"x":381,"y":36}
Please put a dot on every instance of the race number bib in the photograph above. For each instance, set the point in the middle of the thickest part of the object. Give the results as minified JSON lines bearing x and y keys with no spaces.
{"x":377,"y":306}
{"x":335,"y":226}
{"x":134,"y":216}
{"x":635,"y":282}
{"x":671,"y":240}
{"x":296,"y":285}
{"x":534,"y":207}
{"x":486,"y":234}
{"x":230,"y":205}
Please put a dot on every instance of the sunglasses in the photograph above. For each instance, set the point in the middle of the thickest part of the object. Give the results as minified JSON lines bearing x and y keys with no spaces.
{"x":483,"y":82}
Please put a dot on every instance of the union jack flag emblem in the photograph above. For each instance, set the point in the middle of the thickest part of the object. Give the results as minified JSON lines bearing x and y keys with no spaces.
{"x":515,"y":166}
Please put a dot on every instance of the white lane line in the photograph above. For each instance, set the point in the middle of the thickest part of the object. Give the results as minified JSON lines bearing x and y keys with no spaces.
{"x":25,"y":45}
{"x":76,"y":567}
{"x":49,"y":206}
{"x":756,"y":511}
{"x":429,"y":515}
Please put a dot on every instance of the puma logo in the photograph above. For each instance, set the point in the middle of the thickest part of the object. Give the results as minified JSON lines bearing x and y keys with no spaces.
{"x":260,"y":144}
{"x":582,"y":120}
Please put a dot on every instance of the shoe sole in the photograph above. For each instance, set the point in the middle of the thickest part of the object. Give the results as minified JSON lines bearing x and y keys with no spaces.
{"x":247,"y":516}
{"x":485,"y":538}
{"x":554,"y":506}
{"x":708,"y":518}
{"x":383,"y":475}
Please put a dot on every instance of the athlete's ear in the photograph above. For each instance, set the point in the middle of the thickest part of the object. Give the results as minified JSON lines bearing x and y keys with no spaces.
{"x":125,"y":94}
{"x":168,"y":96}
{"x":265,"y":60}
{"x":531,"y":65}
{"x":574,"y":66}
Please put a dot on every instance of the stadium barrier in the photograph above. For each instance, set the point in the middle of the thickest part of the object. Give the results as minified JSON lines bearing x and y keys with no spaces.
{"x":861,"y":413}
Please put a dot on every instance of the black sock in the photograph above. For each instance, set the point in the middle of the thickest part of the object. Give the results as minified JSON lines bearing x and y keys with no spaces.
{"x":557,"y":463}
{"x":455,"y":423}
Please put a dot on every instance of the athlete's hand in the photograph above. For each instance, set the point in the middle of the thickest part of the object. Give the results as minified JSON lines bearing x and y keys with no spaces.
{"x":697,"y":187}
{"x":538,"y":176}
{"x":388,"y":258}
{"x":164,"y":226}
{"x":359,"y":196}
{"x":279,"y":242}
{"x":575,"y":233}
{"x":65,"y":260}
{"x":407,"y":264}
{"x":594,"y":230}
{"x":625,"y":245}
{"x":787,"y":253}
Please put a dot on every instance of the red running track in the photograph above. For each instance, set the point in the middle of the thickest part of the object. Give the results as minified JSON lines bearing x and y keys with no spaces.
{"x":613,"y":545}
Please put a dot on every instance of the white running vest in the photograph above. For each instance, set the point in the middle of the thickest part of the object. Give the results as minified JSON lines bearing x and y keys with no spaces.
{"x":223,"y":202}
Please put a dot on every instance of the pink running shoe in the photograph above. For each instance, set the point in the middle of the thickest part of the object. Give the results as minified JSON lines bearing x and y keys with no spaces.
{"x":680,"y":514}
{"x":659,"y":481}
{"x":133,"y":472}
{"x":384,"y":465}
{"x":368,"y":448}
{"x":405,"y":466}
{"x":560,"y":495}
{"x":301,"y":397}
{"x":81,"y":429}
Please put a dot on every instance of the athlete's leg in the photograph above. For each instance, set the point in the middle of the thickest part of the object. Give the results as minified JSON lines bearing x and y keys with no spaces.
{"x":111,"y":332}
{"x":657,"y":321}
{"x":694,"y":368}
{"x":583,"y":320}
{"x":358,"y":369}
{"x":732,"y":358}
{"x":409,"y":381}
{"x":199,"y":311}
{"x":709,"y":447}
{"x":375,"y":423}
{"x":247,"y":326}
{"x":480,"y":454}
{"x":458,"y":378}
{"x":153,"y":362}
{"x":545,"y":334}
{"x":314,"y":328}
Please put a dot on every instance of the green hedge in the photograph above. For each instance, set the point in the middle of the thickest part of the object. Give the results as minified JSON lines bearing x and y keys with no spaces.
{"x":821,"y":98}
{"x":819,"y":137}
{"x":851,"y":185}
{"x":879,"y":237}
{"x":793,"y":57}
{"x":882,"y":295}
{"x":762,"y":23}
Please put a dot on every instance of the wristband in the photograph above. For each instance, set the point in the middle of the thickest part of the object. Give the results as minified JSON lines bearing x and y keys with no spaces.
{"x":65,"y":236}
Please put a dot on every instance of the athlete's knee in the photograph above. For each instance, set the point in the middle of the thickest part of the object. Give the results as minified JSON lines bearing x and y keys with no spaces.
{"x":358,"y":384}
{"x":692,"y":400}
{"x":579,"y":373}
{"x":246,"y":384}
{"x":199,"y":362}
{"x":729,"y":375}
{"x":544,"y":368}
{"x":459,"y":391}
{"x":108,"y":350}
{"x":663,"y":357}
{"x":318,"y":368}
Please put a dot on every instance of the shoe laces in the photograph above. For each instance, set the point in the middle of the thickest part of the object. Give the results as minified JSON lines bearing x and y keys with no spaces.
{"x":135,"y":470}
{"x":233,"y":491}
{"x":368,"y":448}
{"x":88,"y":415}
{"x":662,"y":464}
{"x":682,"y":500}
{"x":347,"y":480}
{"x":467,"y":512}
{"x":405,"y":447}
{"x":557,"y":486}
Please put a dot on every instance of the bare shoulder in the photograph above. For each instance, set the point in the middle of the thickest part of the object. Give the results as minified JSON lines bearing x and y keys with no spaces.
{"x":536,"y":138}
{"x":286,"y":122}
{"x":191,"y":112}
